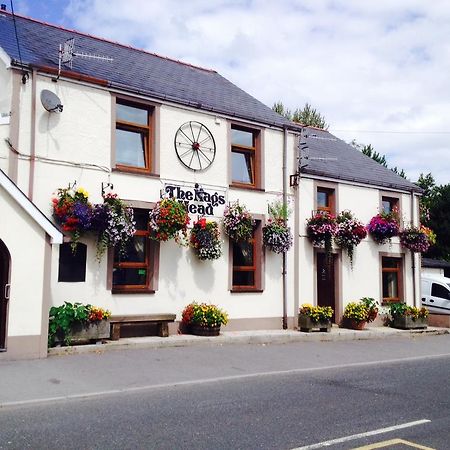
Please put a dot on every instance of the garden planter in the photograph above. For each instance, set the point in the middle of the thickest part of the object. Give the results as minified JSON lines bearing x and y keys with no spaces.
{"x":82,"y":333}
{"x":201,"y":330}
{"x":408,"y":323}
{"x":353,"y":324}
{"x":306,"y":324}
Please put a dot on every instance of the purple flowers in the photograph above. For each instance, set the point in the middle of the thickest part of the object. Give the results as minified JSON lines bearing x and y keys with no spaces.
{"x":383,"y":227}
{"x":238,"y":223}
{"x":321,"y":229}
{"x":414,"y":239}
{"x":349,"y":233}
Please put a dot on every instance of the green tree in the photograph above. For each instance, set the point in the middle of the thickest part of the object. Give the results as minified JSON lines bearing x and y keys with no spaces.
{"x":435,"y":213}
{"x":308,"y":115}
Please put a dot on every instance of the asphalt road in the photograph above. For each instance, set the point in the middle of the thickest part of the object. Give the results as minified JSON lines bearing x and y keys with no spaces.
{"x":304,"y":404}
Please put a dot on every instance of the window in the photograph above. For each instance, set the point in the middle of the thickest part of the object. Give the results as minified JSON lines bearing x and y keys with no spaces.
{"x":72,"y":265}
{"x":440,"y":291}
{"x":389,"y":204}
{"x":325,"y":200}
{"x":247,"y":262}
{"x":133,"y":137}
{"x":392,"y":279}
{"x":136,"y":270}
{"x":245,"y":157}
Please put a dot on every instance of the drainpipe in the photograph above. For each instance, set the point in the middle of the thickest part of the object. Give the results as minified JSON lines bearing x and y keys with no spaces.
{"x":32,"y":135}
{"x":284,"y":272}
{"x":413,"y":256}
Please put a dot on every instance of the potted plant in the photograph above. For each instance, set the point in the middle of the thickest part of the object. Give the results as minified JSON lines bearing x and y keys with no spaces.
{"x":276,"y":234}
{"x":416,"y":239}
{"x":321,"y":228}
{"x":114,"y":223}
{"x":384,"y":226}
{"x":72,"y":210}
{"x":238,"y":222}
{"x":168,"y":219}
{"x":408,"y":317}
{"x":203,"y":319}
{"x":372,"y":308}
{"x":205,"y":239}
{"x":77,"y":323}
{"x":355,"y":315}
{"x":349,"y":233}
{"x":310,"y":317}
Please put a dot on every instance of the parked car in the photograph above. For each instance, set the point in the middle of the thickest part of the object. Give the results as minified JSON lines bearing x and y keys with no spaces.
{"x":436,"y":293}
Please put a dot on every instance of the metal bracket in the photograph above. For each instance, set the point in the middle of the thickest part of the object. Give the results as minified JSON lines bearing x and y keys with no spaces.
{"x":293,"y":180}
{"x":106,"y":186}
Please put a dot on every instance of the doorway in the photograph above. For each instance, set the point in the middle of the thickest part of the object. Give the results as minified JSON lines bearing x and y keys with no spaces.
{"x":4,"y":293}
{"x":326,"y":286}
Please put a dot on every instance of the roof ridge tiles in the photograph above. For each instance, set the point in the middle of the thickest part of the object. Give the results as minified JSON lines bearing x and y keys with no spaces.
{"x":60,"y":27}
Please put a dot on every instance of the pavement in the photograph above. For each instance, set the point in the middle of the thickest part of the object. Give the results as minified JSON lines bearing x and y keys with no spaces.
{"x":247,"y":337}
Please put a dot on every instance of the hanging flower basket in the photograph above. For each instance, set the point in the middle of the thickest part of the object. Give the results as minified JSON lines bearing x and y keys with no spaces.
{"x":168,"y":220}
{"x":383,"y":227}
{"x":205,"y":239}
{"x":349,"y":233}
{"x":72,"y":210}
{"x":114,"y":223}
{"x":415,"y":239}
{"x":321,"y":229}
{"x":277,"y":235}
{"x":238,"y":222}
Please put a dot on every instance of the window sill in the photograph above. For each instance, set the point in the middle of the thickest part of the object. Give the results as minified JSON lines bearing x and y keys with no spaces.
{"x":246,"y":290}
{"x":247,"y":188}
{"x":133,"y":291}
{"x":132,"y":171}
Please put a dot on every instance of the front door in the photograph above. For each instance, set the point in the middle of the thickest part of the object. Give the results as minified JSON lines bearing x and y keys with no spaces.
{"x":4,"y":293}
{"x":326,"y":295}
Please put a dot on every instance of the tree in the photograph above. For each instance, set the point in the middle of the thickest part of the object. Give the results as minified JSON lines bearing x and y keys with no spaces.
{"x":435,"y":214}
{"x":307,"y":116}
{"x":369,"y":151}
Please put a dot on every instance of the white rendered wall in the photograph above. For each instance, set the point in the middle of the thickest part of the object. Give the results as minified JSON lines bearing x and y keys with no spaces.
{"x":25,"y":241}
{"x":5,"y":108}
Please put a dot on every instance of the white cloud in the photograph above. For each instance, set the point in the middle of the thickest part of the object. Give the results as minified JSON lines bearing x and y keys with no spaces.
{"x":377,"y":66}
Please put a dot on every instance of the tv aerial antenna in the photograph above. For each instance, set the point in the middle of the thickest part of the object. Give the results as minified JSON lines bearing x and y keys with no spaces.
{"x":67,"y":53}
{"x":303,"y":156}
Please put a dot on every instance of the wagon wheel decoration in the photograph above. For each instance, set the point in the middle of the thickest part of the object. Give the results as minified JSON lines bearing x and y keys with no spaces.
{"x":195,"y":146}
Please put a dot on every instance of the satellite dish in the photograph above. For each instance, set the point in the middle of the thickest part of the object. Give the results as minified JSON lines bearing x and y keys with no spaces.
{"x":50,"y":101}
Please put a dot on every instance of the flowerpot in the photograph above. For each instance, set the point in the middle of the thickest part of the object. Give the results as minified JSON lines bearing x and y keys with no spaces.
{"x":202,"y":330}
{"x":306,"y":324}
{"x":409,"y":323}
{"x":82,"y":333}
{"x":353,"y":324}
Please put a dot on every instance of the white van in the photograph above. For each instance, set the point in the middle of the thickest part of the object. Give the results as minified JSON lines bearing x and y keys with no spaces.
{"x":436,"y":293}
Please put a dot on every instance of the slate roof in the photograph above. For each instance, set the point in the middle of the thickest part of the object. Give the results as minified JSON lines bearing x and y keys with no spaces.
{"x":162,"y":78}
{"x":341,"y":161}
{"x":133,"y":70}
{"x":435,"y":263}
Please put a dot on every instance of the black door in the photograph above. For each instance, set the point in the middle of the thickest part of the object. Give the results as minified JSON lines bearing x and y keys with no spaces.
{"x":326,"y":295}
{"x":4,"y":292}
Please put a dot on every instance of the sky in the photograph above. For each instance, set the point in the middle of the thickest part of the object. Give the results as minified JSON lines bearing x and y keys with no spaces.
{"x":377,"y":70}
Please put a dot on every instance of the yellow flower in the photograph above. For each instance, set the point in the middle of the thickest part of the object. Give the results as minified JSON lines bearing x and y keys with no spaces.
{"x":83,"y":192}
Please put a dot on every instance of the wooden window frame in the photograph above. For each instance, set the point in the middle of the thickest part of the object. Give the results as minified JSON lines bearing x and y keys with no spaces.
{"x":148,"y":130}
{"x":399,"y":270}
{"x":395,"y":197}
{"x":330,"y":189}
{"x":258,"y":262}
{"x":255,"y":153}
{"x":151,"y":264}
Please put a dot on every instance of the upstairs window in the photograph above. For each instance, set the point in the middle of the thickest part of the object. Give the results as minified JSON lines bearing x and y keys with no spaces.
{"x":133,"y":137}
{"x":245,"y":157}
{"x":389,"y":204}
{"x":325,"y":200}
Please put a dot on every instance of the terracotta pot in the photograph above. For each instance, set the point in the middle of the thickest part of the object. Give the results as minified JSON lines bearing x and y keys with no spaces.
{"x":353,"y":324}
{"x":201,"y":330}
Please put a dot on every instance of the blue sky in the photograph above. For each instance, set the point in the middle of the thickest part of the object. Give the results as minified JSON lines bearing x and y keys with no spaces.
{"x":377,"y":70}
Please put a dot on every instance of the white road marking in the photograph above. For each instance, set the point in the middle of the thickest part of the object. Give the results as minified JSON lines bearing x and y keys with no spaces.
{"x":363,"y":435}
{"x":390,"y":442}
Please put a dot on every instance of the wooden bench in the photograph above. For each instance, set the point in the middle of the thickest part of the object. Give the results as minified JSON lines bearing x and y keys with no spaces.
{"x":161,"y":321}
